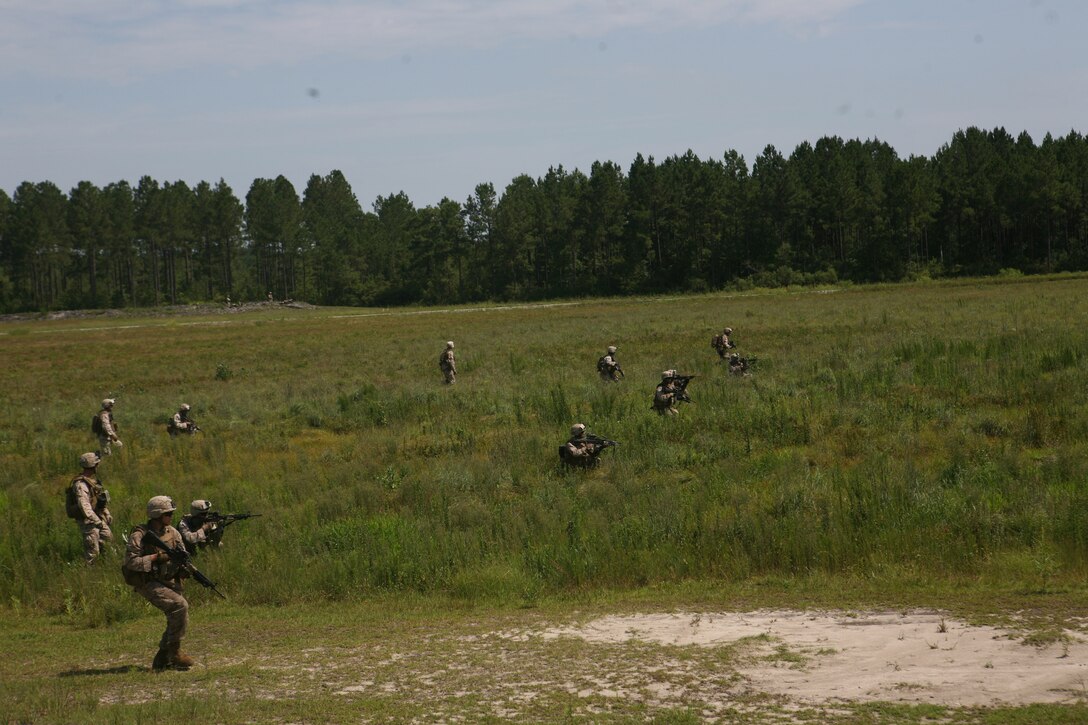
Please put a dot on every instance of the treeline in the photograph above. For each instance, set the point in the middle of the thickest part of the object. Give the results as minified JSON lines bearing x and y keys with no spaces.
{"x":835,"y":210}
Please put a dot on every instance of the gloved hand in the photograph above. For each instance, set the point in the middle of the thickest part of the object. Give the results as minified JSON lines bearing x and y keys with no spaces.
{"x":209,"y":527}
{"x":119,"y":444}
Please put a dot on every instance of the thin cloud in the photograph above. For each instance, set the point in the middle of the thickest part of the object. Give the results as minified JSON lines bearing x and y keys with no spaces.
{"x":134,"y":37}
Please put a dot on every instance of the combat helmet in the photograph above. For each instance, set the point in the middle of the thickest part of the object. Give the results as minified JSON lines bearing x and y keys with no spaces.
{"x":89,"y":460}
{"x":159,"y":505}
{"x":200,"y":507}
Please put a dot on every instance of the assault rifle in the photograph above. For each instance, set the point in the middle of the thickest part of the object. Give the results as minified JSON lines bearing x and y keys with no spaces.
{"x":742,"y":365}
{"x":178,"y":555}
{"x":226,"y":519}
{"x":680,"y":383}
{"x":601,"y":443}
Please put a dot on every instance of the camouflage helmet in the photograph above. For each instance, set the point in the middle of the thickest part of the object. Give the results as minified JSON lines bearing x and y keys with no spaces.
{"x":185,"y":407}
{"x":108,"y":402}
{"x":449,"y":344}
{"x":577,"y":429}
{"x":729,"y":331}
{"x":611,"y":349}
{"x":668,"y":374}
{"x":159,"y":505}
{"x":200,"y":507}
{"x":89,"y":460}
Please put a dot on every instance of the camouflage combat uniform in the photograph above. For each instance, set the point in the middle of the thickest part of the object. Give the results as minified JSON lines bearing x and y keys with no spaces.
{"x":608,"y":368}
{"x":181,"y":423}
{"x":721,"y":343}
{"x":94,"y":517}
{"x":159,"y":582}
{"x":665,"y":396}
{"x":448,"y":365}
{"x":579,"y":450}
{"x":196,"y":531}
{"x":108,"y":428}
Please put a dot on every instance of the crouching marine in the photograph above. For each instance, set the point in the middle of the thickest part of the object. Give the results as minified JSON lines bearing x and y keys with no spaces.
{"x":583,"y":450}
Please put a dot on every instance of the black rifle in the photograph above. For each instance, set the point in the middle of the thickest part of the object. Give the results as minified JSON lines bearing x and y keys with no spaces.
{"x":680,"y":383}
{"x":620,"y":371}
{"x":601,"y":443}
{"x":184,"y":560}
{"x":227,"y":519}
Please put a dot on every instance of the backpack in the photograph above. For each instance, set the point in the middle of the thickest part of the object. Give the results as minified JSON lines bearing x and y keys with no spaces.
{"x":717,"y":342}
{"x":602,"y":366}
{"x":96,"y":426}
{"x":71,"y":501}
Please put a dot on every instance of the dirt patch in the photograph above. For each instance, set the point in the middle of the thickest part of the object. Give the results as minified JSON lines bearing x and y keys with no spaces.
{"x":915,"y":657}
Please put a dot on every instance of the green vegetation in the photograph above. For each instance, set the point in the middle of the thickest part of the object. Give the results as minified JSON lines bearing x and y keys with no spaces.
{"x":908,"y":445}
{"x":985,"y":203}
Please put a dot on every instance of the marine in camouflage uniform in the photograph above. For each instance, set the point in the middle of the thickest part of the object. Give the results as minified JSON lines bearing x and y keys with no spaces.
{"x":721,"y":343}
{"x":665,"y":395}
{"x":181,"y":423}
{"x":447,"y":364}
{"x":149,"y":571}
{"x":608,"y":368}
{"x":738,"y":365}
{"x":580,"y":451}
{"x":196,"y":531}
{"x":107,"y":428}
{"x":89,"y":501}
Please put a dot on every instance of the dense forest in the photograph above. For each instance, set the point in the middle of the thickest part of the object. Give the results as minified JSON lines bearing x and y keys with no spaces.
{"x":836,"y":210}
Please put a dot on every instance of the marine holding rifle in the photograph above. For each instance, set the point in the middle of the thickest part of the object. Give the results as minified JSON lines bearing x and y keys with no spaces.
{"x":182,"y":422}
{"x":608,"y":368}
{"x":671,"y":391}
{"x":156,"y":576}
{"x":204,"y":527}
{"x":583,"y":450}
{"x":87,"y":501}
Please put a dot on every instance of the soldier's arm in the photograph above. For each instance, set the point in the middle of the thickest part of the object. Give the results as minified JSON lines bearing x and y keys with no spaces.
{"x":189,"y":536}
{"x":134,"y":558}
{"x":86,"y":505}
{"x":107,"y":426}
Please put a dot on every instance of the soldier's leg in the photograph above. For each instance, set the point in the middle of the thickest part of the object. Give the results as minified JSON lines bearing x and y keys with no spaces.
{"x":90,"y":534}
{"x":173,"y":605}
{"x":104,"y":446}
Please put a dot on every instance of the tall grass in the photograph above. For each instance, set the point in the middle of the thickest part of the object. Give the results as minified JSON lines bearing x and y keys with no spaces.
{"x":903,"y":432}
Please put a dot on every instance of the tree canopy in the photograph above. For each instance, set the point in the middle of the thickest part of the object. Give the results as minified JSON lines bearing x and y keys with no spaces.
{"x":836,"y":209}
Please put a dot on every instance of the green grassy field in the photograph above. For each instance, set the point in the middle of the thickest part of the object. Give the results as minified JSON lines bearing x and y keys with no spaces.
{"x":907,"y":445}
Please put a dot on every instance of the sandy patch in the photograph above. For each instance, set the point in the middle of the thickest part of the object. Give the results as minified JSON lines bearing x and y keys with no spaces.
{"x":910,"y":657}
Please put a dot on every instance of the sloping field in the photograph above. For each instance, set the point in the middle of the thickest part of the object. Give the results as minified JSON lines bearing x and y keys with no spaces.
{"x":912,"y":451}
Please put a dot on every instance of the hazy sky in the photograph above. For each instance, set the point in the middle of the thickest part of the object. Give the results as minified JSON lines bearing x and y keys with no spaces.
{"x":432,"y":97}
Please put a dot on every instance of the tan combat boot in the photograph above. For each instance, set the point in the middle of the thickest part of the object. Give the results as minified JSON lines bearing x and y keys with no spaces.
{"x":179,"y":661}
{"x":162,"y":659}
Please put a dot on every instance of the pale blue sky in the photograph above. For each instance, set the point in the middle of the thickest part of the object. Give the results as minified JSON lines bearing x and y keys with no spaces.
{"x":431,"y":97}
